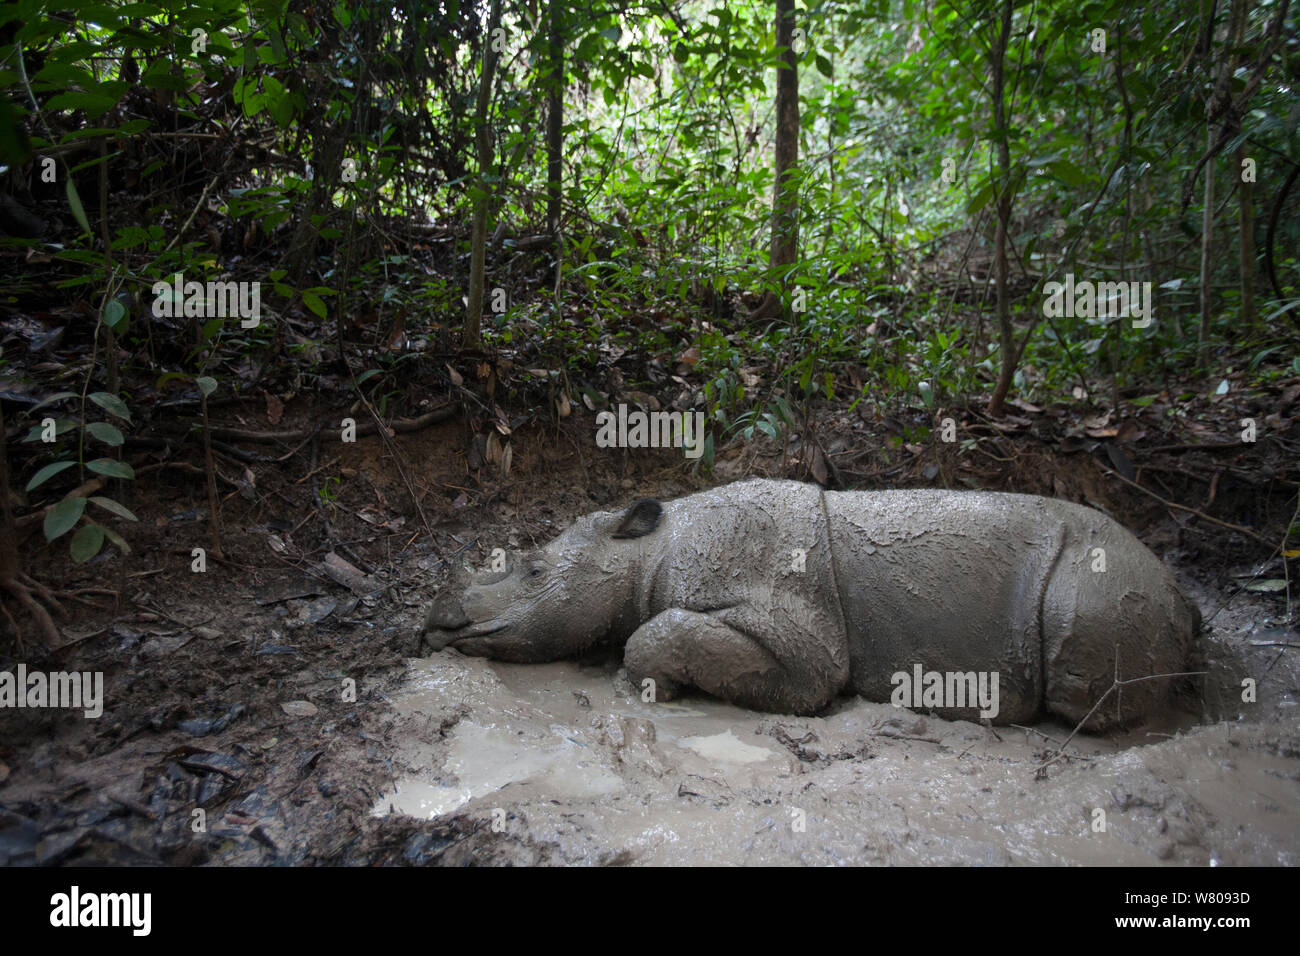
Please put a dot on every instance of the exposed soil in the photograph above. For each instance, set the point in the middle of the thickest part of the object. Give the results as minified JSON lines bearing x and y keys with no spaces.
{"x":228,"y":692}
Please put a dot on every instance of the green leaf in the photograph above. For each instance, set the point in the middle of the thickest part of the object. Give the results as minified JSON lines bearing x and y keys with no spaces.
{"x":1259,"y":356}
{"x":78,"y":212}
{"x":63,"y":516}
{"x":1284,"y":307}
{"x":114,"y":313}
{"x":64,"y":74}
{"x":280,"y":106}
{"x":313,"y":302}
{"x":367,"y":374}
{"x":105,"y":433}
{"x":980,"y":199}
{"x":14,"y":146}
{"x":169,"y":377}
{"x":56,"y":397}
{"x":86,"y":543}
{"x":207,"y":385}
{"x":116,"y":538}
{"x":95,"y":104}
{"x":111,"y":468}
{"x":927,"y":393}
{"x":108,"y":504}
{"x":1067,"y":172}
{"x":48,"y":472}
{"x":61,"y":427}
{"x":111,"y":404}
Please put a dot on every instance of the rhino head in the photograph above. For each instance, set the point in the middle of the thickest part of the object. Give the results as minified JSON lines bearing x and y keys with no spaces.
{"x":553,"y":602}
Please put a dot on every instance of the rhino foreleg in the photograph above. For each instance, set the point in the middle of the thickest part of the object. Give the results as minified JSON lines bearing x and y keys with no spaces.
{"x":678,"y":649}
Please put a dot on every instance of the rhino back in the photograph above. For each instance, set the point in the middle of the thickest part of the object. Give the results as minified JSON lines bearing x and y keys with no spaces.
{"x":963,"y":581}
{"x":949,"y":580}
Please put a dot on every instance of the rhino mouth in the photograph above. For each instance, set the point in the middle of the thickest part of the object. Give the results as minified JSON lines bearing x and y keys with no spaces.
{"x":471,"y":632}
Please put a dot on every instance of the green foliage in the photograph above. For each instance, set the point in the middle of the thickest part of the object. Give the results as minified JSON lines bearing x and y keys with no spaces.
{"x":328,"y":490}
{"x":668,"y":180}
{"x":67,"y":513}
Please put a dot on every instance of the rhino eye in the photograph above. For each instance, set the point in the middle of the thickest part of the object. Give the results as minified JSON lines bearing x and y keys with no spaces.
{"x":535,"y":573}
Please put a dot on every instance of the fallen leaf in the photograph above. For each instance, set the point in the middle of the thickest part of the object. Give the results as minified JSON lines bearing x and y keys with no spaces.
{"x":274,"y":409}
{"x":819,"y":466}
{"x":1023,"y":405}
{"x":1267,"y":586}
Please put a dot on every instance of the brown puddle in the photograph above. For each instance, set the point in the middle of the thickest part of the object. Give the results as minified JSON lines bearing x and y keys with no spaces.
{"x":565,"y":756}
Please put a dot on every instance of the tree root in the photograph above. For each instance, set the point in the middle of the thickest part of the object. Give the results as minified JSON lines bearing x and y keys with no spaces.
{"x":21,"y":587}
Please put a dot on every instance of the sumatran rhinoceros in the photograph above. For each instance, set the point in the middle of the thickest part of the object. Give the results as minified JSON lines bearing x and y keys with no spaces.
{"x":778,"y":596}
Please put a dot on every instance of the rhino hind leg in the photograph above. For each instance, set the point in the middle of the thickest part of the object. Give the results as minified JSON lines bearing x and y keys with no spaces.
{"x":1130,"y":622}
{"x":679,"y":648}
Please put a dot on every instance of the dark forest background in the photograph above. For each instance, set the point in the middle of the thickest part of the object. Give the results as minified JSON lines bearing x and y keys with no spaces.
{"x":829,"y":226}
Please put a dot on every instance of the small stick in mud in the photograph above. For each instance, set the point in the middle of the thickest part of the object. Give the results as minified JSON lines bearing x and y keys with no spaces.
{"x":1040,"y":772}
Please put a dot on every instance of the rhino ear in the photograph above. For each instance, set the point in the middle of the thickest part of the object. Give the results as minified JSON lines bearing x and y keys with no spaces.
{"x":640,"y":519}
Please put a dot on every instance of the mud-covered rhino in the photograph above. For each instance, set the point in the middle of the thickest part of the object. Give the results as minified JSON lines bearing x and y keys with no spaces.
{"x":778,"y":596}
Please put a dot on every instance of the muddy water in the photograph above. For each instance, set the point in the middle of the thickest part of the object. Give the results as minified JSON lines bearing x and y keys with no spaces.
{"x":567,"y":758}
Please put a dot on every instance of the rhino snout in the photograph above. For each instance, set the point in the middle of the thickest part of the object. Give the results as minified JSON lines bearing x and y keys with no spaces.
{"x":447,"y":613}
{"x":448,"y":624}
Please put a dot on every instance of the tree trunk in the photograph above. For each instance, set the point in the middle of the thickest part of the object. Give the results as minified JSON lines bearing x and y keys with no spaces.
{"x":1207,"y":247}
{"x":1247,"y":244}
{"x":483,"y":138}
{"x":1246,"y":205}
{"x":1006,"y":336}
{"x":555,"y":126}
{"x":785,"y":191}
